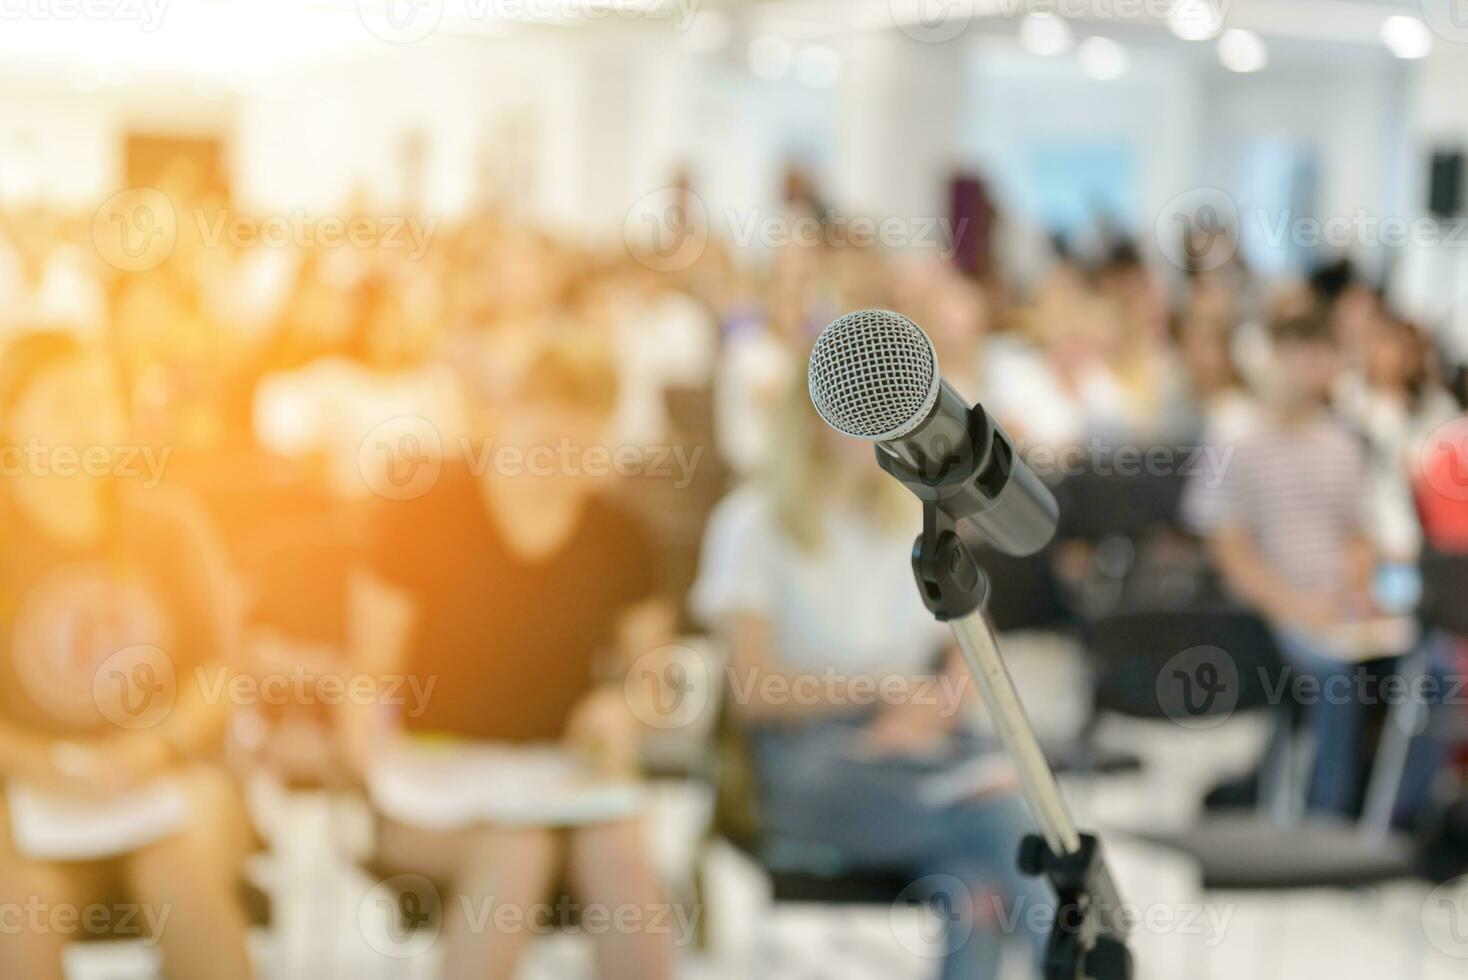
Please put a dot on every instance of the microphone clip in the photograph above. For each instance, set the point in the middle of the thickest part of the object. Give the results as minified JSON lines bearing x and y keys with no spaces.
{"x":949,"y":579}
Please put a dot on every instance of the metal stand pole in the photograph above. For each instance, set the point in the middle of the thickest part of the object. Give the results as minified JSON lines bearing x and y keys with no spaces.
{"x":980,"y":648}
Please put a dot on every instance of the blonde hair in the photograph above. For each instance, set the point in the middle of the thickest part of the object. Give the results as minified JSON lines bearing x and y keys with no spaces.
{"x":571,"y":367}
{"x":803,"y":471}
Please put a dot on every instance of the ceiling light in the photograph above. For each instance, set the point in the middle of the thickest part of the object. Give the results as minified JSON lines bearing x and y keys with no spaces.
{"x":1242,"y":51}
{"x":1045,"y":34}
{"x":1195,"y":20}
{"x":1406,"y":37}
{"x":1102,"y":58}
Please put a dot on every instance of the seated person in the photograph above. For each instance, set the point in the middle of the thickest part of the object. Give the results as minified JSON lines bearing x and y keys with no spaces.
{"x":111,"y":594}
{"x":806,"y":575}
{"x":1286,"y":527}
{"x":496,"y":592}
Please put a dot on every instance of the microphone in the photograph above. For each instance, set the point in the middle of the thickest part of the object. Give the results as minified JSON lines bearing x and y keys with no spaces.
{"x":873,"y":375}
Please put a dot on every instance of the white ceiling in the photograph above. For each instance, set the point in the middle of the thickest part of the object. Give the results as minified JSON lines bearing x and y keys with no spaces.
{"x":253,"y":38}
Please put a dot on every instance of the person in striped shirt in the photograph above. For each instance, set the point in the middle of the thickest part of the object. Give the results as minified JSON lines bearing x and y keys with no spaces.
{"x":1286,"y":527}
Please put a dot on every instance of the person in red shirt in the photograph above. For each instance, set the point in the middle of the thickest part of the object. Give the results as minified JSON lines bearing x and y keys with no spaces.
{"x":1442,"y":487}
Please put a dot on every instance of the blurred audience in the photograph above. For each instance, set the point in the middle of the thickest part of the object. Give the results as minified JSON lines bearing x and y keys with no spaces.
{"x":447,"y":415}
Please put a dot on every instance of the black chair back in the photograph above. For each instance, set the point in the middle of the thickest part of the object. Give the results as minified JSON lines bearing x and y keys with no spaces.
{"x":1103,"y":503}
{"x":1185,"y":665}
{"x":1024,"y":593}
{"x":1444,"y":603}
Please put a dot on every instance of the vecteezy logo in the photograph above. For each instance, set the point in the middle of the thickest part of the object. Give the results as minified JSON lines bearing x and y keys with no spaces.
{"x":1198,"y":20}
{"x":1448,"y":19}
{"x":668,"y":687}
{"x":1197,"y":229}
{"x":1199,"y":688}
{"x":135,"y":230}
{"x":1443,"y":460}
{"x":401,"y":916}
{"x":1445,"y":918}
{"x":931,"y":21}
{"x":401,"y":458}
{"x":136,"y":687}
{"x":400,"y":21}
{"x":667,"y":230}
{"x":947,"y":922}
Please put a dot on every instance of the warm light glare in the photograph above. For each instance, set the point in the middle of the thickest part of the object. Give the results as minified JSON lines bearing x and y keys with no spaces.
{"x":1242,"y":51}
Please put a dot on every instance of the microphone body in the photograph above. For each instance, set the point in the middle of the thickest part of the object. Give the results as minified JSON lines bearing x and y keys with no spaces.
{"x":874,"y":375}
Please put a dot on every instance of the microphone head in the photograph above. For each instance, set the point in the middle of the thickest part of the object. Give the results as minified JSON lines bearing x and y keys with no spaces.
{"x":873,"y":375}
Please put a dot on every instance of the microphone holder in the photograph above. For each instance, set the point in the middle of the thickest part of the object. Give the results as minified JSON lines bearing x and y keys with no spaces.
{"x":1088,"y":939}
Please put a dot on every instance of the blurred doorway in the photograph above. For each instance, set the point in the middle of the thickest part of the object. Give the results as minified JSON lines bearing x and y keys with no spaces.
{"x":186,"y":168}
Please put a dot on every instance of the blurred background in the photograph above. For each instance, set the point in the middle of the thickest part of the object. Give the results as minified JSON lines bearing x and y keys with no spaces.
{"x":421,"y":557}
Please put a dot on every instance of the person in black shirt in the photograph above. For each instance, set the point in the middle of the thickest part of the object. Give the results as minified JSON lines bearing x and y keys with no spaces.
{"x":505,"y":591}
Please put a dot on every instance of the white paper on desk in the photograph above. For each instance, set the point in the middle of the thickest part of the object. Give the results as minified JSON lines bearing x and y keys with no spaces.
{"x":985,"y":775}
{"x":457,"y":784}
{"x":48,"y":827}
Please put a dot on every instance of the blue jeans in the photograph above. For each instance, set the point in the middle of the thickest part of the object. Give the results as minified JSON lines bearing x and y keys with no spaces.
{"x":1337,"y":720}
{"x":1426,"y":755}
{"x":858,"y":814}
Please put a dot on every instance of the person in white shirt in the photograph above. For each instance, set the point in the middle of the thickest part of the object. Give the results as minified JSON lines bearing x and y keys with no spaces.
{"x":1395,"y":402}
{"x":838,"y":675}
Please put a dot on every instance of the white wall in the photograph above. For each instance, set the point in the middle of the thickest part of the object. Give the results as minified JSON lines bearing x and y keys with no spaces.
{"x":1014,"y":101}
{"x":1434,"y":280}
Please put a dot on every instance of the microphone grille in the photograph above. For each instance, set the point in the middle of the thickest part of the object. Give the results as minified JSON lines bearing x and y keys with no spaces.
{"x":873,"y":375}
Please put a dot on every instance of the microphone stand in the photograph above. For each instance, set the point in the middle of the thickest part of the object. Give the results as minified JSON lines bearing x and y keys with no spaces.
{"x":1088,"y":940}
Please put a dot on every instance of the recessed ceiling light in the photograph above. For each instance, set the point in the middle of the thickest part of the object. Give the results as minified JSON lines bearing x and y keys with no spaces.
{"x":1406,"y":37}
{"x":1242,"y":51}
{"x":1045,"y":34}
{"x":1195,"y":20}
{"x":1102,"y":58}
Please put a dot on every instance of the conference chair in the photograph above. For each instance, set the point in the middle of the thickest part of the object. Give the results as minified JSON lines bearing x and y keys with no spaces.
{"x":1442,"y":610}
{"x":1024,"y":593}
{"x":1100,"y":502}
{"x":1216,"y":662}
{"x":1126,"y":525}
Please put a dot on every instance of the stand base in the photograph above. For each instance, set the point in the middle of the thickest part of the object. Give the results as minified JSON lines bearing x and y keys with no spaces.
{"x":1076,"y":950}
